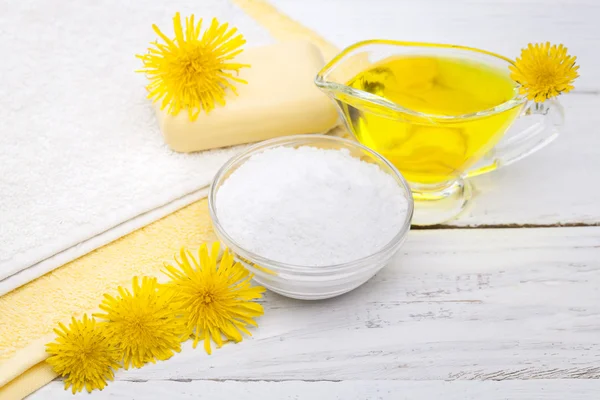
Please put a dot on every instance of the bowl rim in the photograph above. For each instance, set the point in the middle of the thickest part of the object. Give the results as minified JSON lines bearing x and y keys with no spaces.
{"x":306,"y":139}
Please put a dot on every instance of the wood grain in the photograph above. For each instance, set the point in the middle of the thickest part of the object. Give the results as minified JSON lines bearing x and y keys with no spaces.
{"x":497,"y":304}
{"x":358,"y":390}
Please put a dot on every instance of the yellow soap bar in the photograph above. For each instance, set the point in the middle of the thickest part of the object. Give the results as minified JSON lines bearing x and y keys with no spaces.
{"x":279,"y":99}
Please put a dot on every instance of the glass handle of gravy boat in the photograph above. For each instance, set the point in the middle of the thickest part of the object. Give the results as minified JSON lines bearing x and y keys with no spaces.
{"x":537,"y":125}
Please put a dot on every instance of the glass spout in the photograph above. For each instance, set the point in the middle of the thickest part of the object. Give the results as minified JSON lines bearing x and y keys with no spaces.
{"x":333,"y":79}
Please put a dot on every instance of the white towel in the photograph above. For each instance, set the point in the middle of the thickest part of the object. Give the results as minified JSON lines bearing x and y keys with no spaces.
{"x":82,"y":161}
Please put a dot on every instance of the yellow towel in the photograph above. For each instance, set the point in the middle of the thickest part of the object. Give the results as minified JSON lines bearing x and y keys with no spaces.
{"x":31,"y":312}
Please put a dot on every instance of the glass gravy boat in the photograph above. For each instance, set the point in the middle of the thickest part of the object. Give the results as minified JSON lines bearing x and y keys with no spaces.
{"x":435,"y":153}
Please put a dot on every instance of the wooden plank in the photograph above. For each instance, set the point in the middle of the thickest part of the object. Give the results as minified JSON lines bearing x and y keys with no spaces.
{"x":549,"y":188}
{"x":552,"y":187}
{"x":502,"y":26}
{"x":456,"y":305}
{"x":346,"y":390}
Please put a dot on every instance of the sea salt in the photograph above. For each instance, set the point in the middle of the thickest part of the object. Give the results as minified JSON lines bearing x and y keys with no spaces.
{"x":310,"y":207}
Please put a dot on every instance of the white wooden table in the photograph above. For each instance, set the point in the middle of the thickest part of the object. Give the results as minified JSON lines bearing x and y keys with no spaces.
{"x":501,"y":304}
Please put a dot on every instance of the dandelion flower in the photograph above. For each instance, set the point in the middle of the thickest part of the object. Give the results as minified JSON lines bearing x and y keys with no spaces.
{"x":544,"y":71}
{"x":142,"y":324}
{"x":83,"y":353}
{"x":215,"y":301}
{"x":192,"y":72}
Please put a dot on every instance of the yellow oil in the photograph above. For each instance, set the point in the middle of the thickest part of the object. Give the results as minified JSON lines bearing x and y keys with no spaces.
{"x":430,"y":149}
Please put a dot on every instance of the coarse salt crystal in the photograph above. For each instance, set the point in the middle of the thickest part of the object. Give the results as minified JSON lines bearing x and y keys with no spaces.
{"x":310,"y":207}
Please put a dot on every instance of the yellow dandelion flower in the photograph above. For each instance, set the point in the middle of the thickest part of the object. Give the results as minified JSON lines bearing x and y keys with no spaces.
{"x":193,"y":72}
{"x":216,"y":301}
{"x":83,"y":353}
{"x":143,"y":324}
{"x":544,"y":71}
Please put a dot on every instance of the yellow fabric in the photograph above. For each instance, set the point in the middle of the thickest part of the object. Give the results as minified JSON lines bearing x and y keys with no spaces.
{"x":282,"y":27}
{"x":29,"y":314}
{"x":28,"y":382}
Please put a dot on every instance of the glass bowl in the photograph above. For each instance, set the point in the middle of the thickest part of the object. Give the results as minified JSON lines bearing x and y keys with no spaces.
{"x":305,"y":282}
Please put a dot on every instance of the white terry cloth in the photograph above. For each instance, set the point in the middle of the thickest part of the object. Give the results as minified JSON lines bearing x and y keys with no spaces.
{"x":82,"y":161}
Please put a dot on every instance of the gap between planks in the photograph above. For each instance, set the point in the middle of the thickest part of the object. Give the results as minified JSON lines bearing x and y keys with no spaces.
{"x":594,"y":374}
{"x":508,"y":226}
